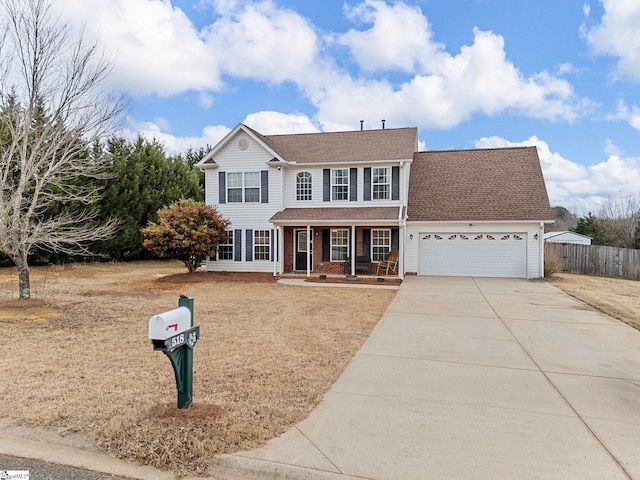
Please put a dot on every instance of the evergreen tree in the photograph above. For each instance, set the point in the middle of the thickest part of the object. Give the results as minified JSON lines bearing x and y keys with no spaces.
{"x":593,"y":227}
{"x":144,"y":181}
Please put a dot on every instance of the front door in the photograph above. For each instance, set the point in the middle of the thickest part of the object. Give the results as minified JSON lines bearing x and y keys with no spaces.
{"x":301,"y":249}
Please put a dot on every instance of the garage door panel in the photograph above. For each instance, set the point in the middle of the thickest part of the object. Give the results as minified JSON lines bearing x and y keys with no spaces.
{"x":486,"y":255}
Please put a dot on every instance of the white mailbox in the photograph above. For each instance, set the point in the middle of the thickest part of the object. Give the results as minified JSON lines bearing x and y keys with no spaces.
{"x":168,"y":324}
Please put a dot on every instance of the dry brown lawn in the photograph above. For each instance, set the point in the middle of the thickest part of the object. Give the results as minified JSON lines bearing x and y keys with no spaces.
{"x":617,"y":297}
{"x":76,"y":357}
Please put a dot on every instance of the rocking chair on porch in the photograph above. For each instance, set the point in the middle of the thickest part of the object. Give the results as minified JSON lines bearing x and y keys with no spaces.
{"x":390,"y":264}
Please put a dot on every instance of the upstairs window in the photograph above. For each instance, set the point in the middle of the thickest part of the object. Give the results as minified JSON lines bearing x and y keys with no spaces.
{"x":380,"y":183}
{"x":243,"y":187}
{"x":340,"y":184}
{"x":303,"y":186}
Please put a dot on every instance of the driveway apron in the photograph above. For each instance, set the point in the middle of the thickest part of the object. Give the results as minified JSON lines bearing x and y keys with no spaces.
{"x":468,"y":378}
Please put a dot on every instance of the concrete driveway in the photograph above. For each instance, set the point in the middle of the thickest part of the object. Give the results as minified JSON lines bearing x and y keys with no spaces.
{"x":472,"y":378}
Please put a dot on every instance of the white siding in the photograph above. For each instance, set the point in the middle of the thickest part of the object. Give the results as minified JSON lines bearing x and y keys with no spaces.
{"x":317,"y":182}
{"x":243,"y":216}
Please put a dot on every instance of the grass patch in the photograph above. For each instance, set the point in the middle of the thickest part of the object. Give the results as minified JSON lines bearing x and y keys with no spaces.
{"x":78,"y":359}
{"x":617,"y":297}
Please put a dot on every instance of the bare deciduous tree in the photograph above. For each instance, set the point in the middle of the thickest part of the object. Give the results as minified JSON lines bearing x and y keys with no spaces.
{"x":52,"y":108}
{"x":622,"y":217}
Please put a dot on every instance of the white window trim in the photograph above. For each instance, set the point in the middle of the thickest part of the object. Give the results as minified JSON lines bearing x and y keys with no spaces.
{"x":304,"y":186}
{"x":229,"y":238}
{"x":335,"y":185}
{"x":387,"y":183}
{"x":266,"y":235}
{"x":244,"y":187}
{"x":379,"y":252}
{"x":344,"y":245}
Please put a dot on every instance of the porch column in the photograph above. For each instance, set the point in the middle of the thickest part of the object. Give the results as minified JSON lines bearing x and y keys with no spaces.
{"x":280,"y":249}
{"x":309,"y":250}
{"x":353,"y":250}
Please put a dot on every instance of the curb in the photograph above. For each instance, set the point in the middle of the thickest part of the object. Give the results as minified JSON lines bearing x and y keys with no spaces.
{"x":237,"y":467}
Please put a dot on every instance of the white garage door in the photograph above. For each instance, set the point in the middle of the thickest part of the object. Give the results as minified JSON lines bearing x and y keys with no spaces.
{"x":473,"y":255}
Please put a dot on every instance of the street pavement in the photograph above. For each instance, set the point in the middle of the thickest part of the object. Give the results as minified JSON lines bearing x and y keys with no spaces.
{"x":39,"y":470}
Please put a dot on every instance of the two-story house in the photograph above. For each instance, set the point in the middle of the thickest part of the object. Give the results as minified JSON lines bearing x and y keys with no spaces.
{"x":310,"y":203}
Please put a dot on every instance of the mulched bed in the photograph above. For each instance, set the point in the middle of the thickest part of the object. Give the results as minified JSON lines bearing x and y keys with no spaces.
{"x":262,"y":277}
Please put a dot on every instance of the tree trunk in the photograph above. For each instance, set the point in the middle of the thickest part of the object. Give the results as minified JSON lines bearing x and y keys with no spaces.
{"x":24,"y":284}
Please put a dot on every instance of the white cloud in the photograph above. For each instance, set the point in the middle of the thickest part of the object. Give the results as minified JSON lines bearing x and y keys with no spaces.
{"x":611,"y":148}
{"x":266,"y":122}
{"x":273,"y":123}
{"x":400,"y":38}
{"x":574,"y":186}
{"x":618,"y":35}
{"x":160,"y":130}
{"x":477,"y":80}
{"x":159,"y":51}
{"x":155,"y":47}
{"x":263,"y":42}
{"x":628,"y":114}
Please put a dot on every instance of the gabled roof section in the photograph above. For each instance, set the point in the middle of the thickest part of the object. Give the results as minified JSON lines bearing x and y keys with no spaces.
{"x":208,"y":160}
{"x":342,"y":147}
{"x":478,"y":185}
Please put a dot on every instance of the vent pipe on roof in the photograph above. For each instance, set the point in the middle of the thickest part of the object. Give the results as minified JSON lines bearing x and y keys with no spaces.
{"x":361,"y":125}
{"x":383,"y":123}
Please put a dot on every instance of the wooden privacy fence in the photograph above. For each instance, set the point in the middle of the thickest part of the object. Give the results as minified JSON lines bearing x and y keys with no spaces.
{"x":594,"y":260}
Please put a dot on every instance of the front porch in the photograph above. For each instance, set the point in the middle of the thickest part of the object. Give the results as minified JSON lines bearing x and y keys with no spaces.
{"x":329,"y":250}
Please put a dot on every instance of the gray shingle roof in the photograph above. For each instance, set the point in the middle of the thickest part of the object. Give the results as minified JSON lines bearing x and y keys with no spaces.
{"x":478,"y":185}
{"x":353,"y":146}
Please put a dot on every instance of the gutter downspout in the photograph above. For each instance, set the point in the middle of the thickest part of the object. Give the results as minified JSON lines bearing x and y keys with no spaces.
{"x":402,"y":224}
{"x":541,"y":248}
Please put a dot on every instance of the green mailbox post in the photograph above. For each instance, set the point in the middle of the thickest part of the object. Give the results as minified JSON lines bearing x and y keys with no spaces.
{"x":173,"y":334}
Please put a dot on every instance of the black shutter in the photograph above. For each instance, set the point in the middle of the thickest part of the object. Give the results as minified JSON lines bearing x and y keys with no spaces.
{"x":395,"y":183}
{"x":326,"y":185}
{"x":222,"y":188}
{"x":353,"y":184}
{"x":237,"y":245}
{"x":249,"y":240}
{"x":326,"y":245}
{"x":273,"y":245}
{"x":366,"y":242}
{"x":367,"y":183}
{"x":264,"y":186}
{"x":395,"y":239}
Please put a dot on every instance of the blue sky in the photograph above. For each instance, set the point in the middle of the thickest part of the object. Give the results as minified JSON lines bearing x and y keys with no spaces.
{"x":561,"y":75}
